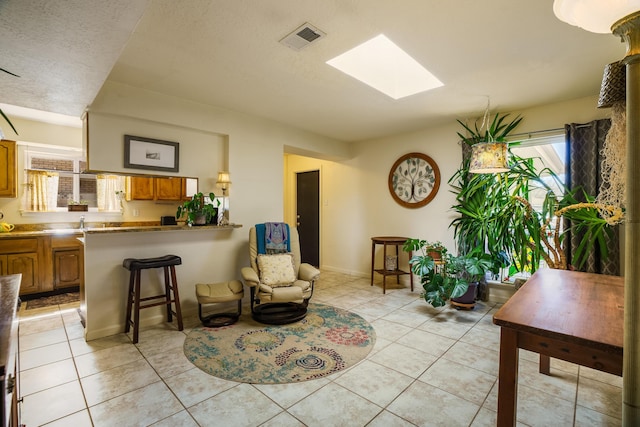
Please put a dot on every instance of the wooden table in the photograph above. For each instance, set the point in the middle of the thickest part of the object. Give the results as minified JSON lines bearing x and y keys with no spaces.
{"x":573,"y":316}
{"x":388,"y":241}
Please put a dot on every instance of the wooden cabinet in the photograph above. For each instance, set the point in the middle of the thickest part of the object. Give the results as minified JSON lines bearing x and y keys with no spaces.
{"x":47,"y":263}
{"x":162,"y":189}
{"x":8,"y":169}
{"x":140,"y":188}
{"x":68,"y":262}
{"x":23,"y":256}
{"x":170,"y":188}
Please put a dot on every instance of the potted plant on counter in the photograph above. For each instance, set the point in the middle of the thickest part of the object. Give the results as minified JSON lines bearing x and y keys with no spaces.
{"x":198,"y":211}
{"x":77,"y":206}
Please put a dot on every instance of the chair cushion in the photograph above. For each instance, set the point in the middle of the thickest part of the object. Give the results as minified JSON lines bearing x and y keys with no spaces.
{"x":276,"y":270}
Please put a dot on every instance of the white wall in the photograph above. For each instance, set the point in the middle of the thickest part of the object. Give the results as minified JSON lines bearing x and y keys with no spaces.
{"x":356,"y":204}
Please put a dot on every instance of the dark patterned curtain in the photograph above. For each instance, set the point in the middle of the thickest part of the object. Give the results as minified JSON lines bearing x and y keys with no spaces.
{"x":584,"y":144}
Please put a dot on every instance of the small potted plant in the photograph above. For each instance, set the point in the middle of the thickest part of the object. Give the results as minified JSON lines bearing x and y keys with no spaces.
{"x":435,"y":250}
{"x":453,"y":278}
{"x":471,"y":268}
{"x":198,"y":211}
{"x":77,"y":206}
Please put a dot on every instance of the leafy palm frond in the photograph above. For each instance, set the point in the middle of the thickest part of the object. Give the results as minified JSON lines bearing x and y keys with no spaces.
{"x":4,"y":116}
{"x":496,"y":132}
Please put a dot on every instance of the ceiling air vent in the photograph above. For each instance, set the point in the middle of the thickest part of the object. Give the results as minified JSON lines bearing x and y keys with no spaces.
{"x":302,"y":37}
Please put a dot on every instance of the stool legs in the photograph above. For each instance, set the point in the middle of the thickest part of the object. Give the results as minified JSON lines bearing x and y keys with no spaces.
{"x":167,"y":292}
{"x":136,"y":307}
{"x":134,"y":300}
{"x":176,"y":298}
{"x":130,"y":296}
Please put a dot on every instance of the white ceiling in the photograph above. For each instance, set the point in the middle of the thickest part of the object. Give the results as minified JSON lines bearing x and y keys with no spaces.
{"x":226,"y":53}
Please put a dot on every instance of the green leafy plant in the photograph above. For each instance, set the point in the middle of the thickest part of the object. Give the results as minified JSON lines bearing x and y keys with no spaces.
{"x":496,"y":132}
{"x":197,"y":207}
{"x":448,"y":278}
{"x":1,"y":112}
{"x":495,"y":213}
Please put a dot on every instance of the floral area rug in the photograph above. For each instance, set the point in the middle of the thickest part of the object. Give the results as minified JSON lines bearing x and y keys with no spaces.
{"x":326,"y":341}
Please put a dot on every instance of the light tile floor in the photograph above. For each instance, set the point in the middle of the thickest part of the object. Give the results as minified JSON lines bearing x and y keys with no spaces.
{"x":429,"y":367}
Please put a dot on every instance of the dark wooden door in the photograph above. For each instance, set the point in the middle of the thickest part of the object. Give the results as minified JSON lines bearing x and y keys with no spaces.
{"x":308,"y":215}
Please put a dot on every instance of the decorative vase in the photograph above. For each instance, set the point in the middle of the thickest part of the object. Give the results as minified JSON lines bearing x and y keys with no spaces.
{"x":391,"y":263}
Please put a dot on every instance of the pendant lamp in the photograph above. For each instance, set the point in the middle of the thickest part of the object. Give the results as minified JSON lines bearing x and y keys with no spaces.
{"x":488,"y":156}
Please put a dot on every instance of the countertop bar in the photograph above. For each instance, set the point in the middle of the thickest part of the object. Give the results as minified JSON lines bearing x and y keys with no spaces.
{"x":112,"y":229}
{"x":9,"y":289}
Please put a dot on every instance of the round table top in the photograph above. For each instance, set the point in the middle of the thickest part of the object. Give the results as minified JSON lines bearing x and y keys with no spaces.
{"x":389,"y":239}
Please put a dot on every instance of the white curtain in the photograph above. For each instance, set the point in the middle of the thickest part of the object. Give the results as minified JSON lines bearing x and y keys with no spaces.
{"x":110,"y":189}
{"x":42,"y":191}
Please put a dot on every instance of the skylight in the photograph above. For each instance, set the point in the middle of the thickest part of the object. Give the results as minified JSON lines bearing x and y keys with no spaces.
{"x":381,"y":64}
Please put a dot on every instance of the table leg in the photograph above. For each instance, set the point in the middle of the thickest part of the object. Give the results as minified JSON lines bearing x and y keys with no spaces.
{"x":508,"y":378}
{"x":373,"y":259}
{"x":397,"y":265}
{"x":545,"y":364}
{"x":384,"y":266}
{"x":410,"y":272}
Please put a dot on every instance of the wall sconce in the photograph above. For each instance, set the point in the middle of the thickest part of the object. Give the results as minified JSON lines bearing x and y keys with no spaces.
{"x":223,"y":182}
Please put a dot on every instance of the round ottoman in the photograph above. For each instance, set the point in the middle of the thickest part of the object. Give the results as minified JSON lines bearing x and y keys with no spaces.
{"x":214,"y":293}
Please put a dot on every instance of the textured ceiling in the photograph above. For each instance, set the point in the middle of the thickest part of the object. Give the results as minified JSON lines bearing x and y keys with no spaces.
{"x":226,"y":53}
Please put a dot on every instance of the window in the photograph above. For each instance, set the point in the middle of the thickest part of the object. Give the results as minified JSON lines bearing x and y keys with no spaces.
{"x":544,"y":152}
{"x":55,"y":177}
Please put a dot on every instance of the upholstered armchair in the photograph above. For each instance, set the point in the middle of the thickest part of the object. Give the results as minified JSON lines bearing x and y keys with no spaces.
{"x":280,"y":284}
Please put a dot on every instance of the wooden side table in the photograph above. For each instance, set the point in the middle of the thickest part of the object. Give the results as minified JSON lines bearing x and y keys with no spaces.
{"x":568,"y":315}
{"x":388,"y":241}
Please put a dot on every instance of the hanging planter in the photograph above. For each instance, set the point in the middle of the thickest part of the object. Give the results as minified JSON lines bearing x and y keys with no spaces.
{"x":489,"y":157}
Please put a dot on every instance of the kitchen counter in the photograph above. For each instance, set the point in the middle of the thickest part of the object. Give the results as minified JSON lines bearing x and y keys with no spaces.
{"x":9,"y":288}
{"x":99,"y":230}
{"x":209,"y":254}
{"x":37,"y":230}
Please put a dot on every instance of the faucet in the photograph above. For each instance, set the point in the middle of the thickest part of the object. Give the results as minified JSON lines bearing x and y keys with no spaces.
{"x":82,"y":222}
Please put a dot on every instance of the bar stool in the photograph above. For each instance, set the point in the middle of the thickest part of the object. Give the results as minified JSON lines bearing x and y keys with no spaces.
{"x":135,"y":265}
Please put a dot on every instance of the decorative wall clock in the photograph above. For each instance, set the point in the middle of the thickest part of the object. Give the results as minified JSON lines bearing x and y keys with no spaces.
{"x":414,"y":180}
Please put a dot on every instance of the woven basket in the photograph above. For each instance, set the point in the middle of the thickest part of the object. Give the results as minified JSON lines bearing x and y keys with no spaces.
{"x":613,"y":88}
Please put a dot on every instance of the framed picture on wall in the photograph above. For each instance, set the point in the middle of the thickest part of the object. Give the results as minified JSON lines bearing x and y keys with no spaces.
{"x":151,"y":154}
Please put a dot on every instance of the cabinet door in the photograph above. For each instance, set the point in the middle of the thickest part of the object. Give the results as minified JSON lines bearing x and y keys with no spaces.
{"x":3,"y":265}
{"x":8,"y":170}
{"x":27,"y":265}
{"x":142,"y":188}
{"x":169,"y":188}
{"x":67,"y":268}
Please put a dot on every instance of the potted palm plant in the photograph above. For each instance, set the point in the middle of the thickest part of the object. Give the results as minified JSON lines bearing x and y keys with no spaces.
{"x":198,"y":211}
{"x":495,"y":213}
{"x":2,"y":113}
